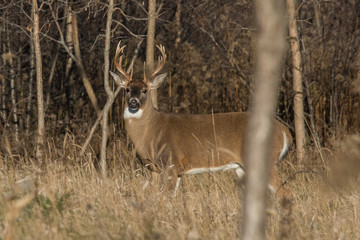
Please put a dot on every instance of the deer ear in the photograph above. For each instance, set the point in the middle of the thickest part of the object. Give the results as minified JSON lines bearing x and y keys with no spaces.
{"x":118,"y":80}
{"x":158,"y":80}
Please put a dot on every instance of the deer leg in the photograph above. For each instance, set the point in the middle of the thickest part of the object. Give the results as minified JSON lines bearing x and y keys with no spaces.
{"x":276,"y":186}
{"x":177,"y":171}
{"x":273,"y":186}
{"x":176,"y":186}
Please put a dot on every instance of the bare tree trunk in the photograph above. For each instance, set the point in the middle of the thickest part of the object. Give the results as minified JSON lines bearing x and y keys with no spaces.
{"x":39,"y":85}
{"x":85,"y":78}
{"x":178,"y":23}
{"x":31,"y":80}
{"x":51,"y":77}
{"x":69,"y":39}
{"x":3,"y":82}
{"x":12,"y":88}
{"x":19,"y":86}
{"x":13,"y":102}
{"x":69,"y":62}
{"x":297,"y":83}
{"x":150,"y":45}
{"x":77,"y":58}
{"x":108,"y":90}
{"x":311,"y":116}
{"x":54,"y":62}
{"x":313,"y":129}
{"x":270,"y":49}
{"x":3,"y":99}
{"x":317,"y":18}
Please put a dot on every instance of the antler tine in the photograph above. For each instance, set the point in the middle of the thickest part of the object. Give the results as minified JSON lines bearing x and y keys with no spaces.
{"x":161,"y":60}
{"x":118,"y":64}
{"x":131,"y":70}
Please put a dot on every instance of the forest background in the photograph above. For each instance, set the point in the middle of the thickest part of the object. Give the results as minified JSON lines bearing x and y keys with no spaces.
{"x":211,"y":53}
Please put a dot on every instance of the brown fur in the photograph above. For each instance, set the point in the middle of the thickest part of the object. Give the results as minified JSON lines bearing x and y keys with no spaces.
{"x":189,"y":141}
{"x":195,"y":140}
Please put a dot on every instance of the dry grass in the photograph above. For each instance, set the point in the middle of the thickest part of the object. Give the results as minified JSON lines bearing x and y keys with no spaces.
{"x":68,"y":199}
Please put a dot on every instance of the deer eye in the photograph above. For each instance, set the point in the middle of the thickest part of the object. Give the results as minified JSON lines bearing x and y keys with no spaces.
{"x":144,"y":90}
{"x":127,"y":90}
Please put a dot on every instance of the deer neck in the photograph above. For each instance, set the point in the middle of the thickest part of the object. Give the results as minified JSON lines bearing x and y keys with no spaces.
{"x":138,"y":126}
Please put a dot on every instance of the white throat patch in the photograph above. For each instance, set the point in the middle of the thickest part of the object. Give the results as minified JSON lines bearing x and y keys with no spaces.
{"x":128,"y":114}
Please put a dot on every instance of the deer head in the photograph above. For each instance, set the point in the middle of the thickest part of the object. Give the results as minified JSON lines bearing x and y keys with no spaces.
{"x":137,"y":90}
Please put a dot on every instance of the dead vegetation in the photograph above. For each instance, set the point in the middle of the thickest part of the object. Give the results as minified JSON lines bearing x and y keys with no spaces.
{"x":67,"y":198}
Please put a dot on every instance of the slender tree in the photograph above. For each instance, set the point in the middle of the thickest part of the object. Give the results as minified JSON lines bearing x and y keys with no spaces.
{"x":69,"y":39}
{"x":178,"y":23}
{"x":297,"y":82}
{"x":77,"y":58}
{"x":150,"y":45}
{"x":31,"y":80}
{"x":80,"y":65}
{"x":108,"y":90}
{"x":3,"y":83}
{"x":270,"y":49}
{"x":39,"y":85}
{"x":12,"y":87}
{"x":69,"y":63}
{"x":2,"y":99}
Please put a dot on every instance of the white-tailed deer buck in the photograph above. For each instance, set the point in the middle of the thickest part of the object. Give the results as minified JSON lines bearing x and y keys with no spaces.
{"x":187,"y":143}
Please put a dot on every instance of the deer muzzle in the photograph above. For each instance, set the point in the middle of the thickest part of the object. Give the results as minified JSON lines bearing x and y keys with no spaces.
{"x":134,"y":104}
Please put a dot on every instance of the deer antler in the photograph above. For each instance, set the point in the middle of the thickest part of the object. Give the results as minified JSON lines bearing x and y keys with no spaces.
{"x":161,"y":61}
{"x":118,"y":64}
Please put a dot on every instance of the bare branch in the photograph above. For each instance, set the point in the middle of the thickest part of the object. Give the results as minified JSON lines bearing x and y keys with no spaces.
{"x":109,"y":102}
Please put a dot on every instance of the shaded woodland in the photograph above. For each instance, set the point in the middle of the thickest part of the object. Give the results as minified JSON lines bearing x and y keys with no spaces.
{"x":211,"y":53}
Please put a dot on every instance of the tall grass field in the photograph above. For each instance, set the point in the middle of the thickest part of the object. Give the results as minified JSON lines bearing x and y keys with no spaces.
{"x":67,"y":198}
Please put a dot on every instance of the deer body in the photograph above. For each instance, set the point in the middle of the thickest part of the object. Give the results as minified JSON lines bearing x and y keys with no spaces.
{"x":189,"y":143}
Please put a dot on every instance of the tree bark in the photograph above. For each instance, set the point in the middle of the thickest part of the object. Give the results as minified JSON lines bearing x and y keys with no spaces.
{"x":297,"y":83}
{"x":79,"y":63}
{"x":69,"y":39}
{"x":178,"y":23}
{"x":108,"y":90}
{"x":31,"y":80}
{"x":3,"y":100}
{"x":68,"y":81}
{"x":39,"y":86}
{"x":51,"y":77}
{"x":270,"y":49}
{"x":3,"y":86}
{"x":150,"y":46}
{"x":311,"y":117}
{"x":77,"y":58}
{"x":12,"y":88}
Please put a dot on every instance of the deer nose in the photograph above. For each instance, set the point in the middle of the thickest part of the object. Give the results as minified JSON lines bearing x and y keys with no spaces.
{"x":134,"y":103}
